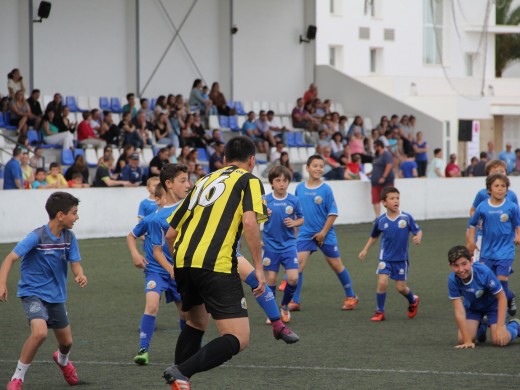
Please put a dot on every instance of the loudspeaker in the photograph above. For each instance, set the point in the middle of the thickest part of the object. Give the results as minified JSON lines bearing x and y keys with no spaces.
{"x":465,"y":130}
{"x":311,"y":32}
{"x":44,"y":9}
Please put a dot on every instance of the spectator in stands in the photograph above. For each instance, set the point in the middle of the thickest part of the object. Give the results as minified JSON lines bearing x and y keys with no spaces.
{"x":77,"y":181}
{"x":113,"y":132}
{"x":326,"y":125}
{"x":36,"y":108}
{"x":15,"y":83}
{"x":408,"y":167}
{"x":394,"y":122}
{"x":183,"y":158}
{"x":516,"y":170}
{"x":471,"y":167}
{"x":160,"y":107}
{"x":216,"y":160}
{"x":172,"y":154}
{"x":301,"y":119}
{"x":23,"y":142}
{"x":420,"y":147}
{"x":21,"y":115}
{"x":55,"y":105}
{"x":132,"y":172}
{"x":325,"y":107}
{"x":219,"y":101}
{"x":145,"y":107}
{"x":374,"y":135}
{"x":358,"y":122}
{"x":197,"y":101}
{"x":342,"y":126}
{"x":264,"y":137}
{"x":103,"y":177}
{"x":129,"y":132}
{"x":334,"y":121}
{"x":86,"y":134}
{"x":353,"y":168}
{"x":37,"y":160}
{"x":275,"y":125}
{"x":79,"y":166}
{"x":163,"y":134}
{"x":323,"y":138}
{"x":51,"y":134}
{"x":193,"y":155}
{"x":382,"y":126}
{"x":405,"y":129}
{"x":284,"y":161}
{"x":63,"y":122}
{"x":277,"y":152}
{"x":55,"y":179}
{"x":412,"y":121}
{"x":130,"y":105}
{"x":311,"y":94}
{"x":144,"y":129}
{"x":13,"y":175}
{"x":158,"y":162}
{"x":195,"y":172}
{"x":345,"y":157}
{"x":480,"y":167}
{"x":216,"y":135}
{"x":357,"y":141}
{"x":436,"y":167}
{"x":452,"y":168}
{"x":106,"y":152}
{"x":491,"y":151}
{"x":39,"y":180}
{"x":382,"y":174}
{"x":27,"y":171}
{"x":96,"y":121}
{"x":333,"y":169}
{"x":508,"y":156}
{"x":197,"y":128}
{"x":249,"y":126}
{"x":124,"y":158}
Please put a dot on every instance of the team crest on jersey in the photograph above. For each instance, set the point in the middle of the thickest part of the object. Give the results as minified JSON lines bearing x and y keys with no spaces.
{"x":402,"y":224}
{"x":289,"y":210}
{"x":318,"y":199}
{"x":382,"y":265}
{"x":266,"y":262}
{"x":385,"y":226}
{"x":151,"y":285}
{"x":504,"y":218}
{"x":35,"y":307}
{"x":479,"y":293}
{"x":243,"y":303}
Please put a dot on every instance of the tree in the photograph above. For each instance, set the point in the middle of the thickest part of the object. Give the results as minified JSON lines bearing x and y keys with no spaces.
{"x":507,"y":46}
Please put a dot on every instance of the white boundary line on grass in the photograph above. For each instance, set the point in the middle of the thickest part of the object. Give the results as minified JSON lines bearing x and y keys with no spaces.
{"x":301,"y":368}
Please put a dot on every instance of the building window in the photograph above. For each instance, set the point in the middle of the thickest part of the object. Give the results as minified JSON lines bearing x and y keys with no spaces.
{"x":470,"y":64}
{"x":375,"y":60}
{"x":432,"y":31}
{"x":336,"y":56}
{"x":335,"y":7}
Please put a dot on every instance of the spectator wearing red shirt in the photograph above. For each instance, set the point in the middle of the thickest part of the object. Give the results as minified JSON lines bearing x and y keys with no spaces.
{"x":452,"y":169}
{"x":86,"y":134}
{"x":311,"y":94}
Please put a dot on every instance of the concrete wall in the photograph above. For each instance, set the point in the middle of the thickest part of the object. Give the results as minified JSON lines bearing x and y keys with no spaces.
{"x":113,"y":212}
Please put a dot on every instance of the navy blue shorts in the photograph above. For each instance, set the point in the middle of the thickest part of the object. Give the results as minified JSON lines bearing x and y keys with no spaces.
{"x":54,"y":314}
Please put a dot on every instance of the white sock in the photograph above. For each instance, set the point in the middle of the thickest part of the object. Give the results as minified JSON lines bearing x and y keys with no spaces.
{"x":21,"y":369}
{"x":63,"y":360}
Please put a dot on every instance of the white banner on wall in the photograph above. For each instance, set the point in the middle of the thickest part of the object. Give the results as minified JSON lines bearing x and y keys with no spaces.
{"x":473,"y":149}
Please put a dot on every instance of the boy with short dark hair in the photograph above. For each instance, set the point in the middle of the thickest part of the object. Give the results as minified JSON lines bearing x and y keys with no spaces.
{"x":45,"y":253}
{"x":395,"y":226}
{"x":148,"y":205}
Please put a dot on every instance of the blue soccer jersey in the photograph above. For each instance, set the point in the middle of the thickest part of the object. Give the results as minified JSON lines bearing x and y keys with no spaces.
{"x":498,"y":229}
{"x":317,"y":204}
{"x":44,"y":264}
{"x":158,"y":226}
{"x":483,"y":195}
{"x":277,"y":237}
{"x":394,"y":243}
{"x":146,"y":207}
{"x":479,"y":292}
{"x":142,"y":229}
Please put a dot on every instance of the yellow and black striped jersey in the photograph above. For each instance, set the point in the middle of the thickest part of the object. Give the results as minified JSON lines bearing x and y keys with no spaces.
{"x":209,"y":220}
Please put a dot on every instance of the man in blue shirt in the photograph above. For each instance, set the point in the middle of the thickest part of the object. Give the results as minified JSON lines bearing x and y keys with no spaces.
{"x":509,"y":157}
{"x":45,"y":254}
{"x":13,"y":176}
{"x":132,"y":172}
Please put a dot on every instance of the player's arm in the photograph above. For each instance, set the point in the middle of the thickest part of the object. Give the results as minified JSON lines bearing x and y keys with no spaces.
{"x":417,"y":238}
{"x":470,"y":238}
{"x":4,"y":272}
{"x":138,"y":259}
{"x":371,"y":241}
{"x":254,"y":242}
{"x":501,"y":334}
{"x":171,"y":236}
{"x":161,"y":259}
{"x":320,"y":237}
{"x":79,"y":276}
{"x":472,"y":211}
{"x":460,"y":319}
{"x":293,"y":223}
{"x":517,"y":235}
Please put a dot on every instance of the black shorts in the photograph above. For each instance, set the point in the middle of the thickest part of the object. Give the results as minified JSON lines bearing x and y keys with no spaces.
{"x":222,"y":294}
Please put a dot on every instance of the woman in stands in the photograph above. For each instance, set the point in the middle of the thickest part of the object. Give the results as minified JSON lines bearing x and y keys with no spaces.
{"x":183,"y":158}
{"x":160,"y":107}
{"x":197,"y":101}
{"x":63,"y":123}
{"x":52,"y":135}
{"x":27,"y":171}
{"x":79,"y":166}
{"x":15,"y":83}
{"x":336,"y":144}
{"x":219,"y":100}
{"x":284,"y":161}
{"x":123,"y":159}
{"x":164,"y":134}
{"x":21,"y":115}
{"x":130,"y":133}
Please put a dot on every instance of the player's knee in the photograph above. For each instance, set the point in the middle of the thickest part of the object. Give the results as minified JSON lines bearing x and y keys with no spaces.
{"x":293,"y":281}
{"x":39,"y":335}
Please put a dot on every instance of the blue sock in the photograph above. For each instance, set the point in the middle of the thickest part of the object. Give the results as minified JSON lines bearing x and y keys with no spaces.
{"x":182,"y":324}
{"x":296,"y":296}
{"x":380,"y":299}
{"x":147,"y":329}
{"x":505,"y":286}
{"x":288,"y":294}
{"x":268,"y":304}
{"x":410,"y":297}
{"x":251,"y":280}
{"x":273,"y":290}
{"x":344,"y":278}
{"x":513,"y":328}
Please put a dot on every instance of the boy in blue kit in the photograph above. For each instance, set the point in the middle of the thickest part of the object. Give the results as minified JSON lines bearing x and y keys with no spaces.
{"x":148,"y":206}
{"x":279,"y":236}
{"x":476,"y":292}
{"x":395,"y":226}
{"x":158,"y":264}
{"x":500,"y":230}
{"x":45,"y":253}
{"x":319,"y":208}
{"x":492,"y":167}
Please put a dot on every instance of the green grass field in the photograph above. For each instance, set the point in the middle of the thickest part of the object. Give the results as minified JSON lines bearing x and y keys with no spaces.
{"x":337,"y":350}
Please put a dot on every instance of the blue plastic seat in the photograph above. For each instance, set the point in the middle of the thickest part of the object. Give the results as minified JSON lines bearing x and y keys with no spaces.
{"x":33,"y":137}
{"x":239,"y":108}
{"x":224,"y":121}
{"x":67,"y":157}
{"x":7,"y":122}
{"x":290,"y":139}
{"x":233,"y":124}
{"x":298,"y":139}
{"x":2,"y":123}
{"x":152,"y":103}
{"x":230,"y":104}
{"x":71,"y":102}
{"x":116,"y":105}
{"x":104,"y":104}
{"x":79,"y":151}
{"x":203,"y":155}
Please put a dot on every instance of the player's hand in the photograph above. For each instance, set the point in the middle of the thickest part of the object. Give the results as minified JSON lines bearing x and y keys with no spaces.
{"x":289,"y":222}
{"x":269,"y":212}
{"x":172,"y":272}
{"x":517,"y":240}
{"x":3,"y":294}
{"x":416,"y":240}
{"x":319,"y":237}
{"x":261,"y":283}
{"x":139,"y":261}
{"x":501,"y":336}
{"x":467,"y":345}
{"x":81,"y":280}
{"x":362,"y":254}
